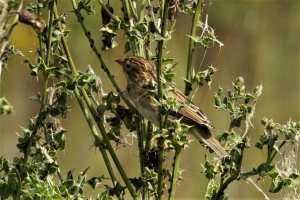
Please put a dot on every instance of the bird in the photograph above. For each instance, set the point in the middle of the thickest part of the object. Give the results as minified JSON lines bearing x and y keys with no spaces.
{"x":139,"y":74}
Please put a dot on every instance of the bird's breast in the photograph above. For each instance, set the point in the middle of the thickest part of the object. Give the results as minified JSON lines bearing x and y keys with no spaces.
{"x":145,"y":104}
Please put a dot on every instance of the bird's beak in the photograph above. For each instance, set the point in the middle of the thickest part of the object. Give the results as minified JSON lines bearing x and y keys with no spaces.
{"x":120,"y":61}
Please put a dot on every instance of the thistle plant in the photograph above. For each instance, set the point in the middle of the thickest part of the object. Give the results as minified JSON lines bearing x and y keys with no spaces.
{"x":146,"y":27}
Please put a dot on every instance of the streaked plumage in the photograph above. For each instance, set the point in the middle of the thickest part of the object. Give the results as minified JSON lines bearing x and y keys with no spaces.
{"x":139,"y":72}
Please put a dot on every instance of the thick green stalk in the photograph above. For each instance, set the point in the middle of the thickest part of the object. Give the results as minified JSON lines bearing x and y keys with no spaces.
{"x":126,"y":9}
{"x":49,"y":34}
{"x":141,"y":139}
{"x":141,"y":133}
{"x":148,"y":136}
{"x":41,"y":116}
{"x":142,"y":9}
{"x":97,"y":138}
{"x":160,"y":48}
{"x":83,"y":107}
{"x":160,"y":177}
{"x":106,"y":143}
{"x":175,"y":173}
{"x":115,"y":159}
{"x":97,"y":53}
{"x":94,"y":48}
{"x":136,"y":47}
{"x":106,"y":140}
{"x":94,"y":113}
{"x":195,"y":22}
{"x":230,"y":179}
{"x":164,"y":16}
{"x":133,"y":11}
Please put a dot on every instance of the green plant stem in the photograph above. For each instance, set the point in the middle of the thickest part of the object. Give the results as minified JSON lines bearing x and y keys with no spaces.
{"x":232,"y":178}
{"x":129,"y":10}
{"x":175,"y":173}
{"x":100,"y":144}
{"x":112,"y":16}
{"x":84,"y":109}
{"x":140,"y":137}
{"x":39,"y":35}
{"x":136,"y":49}
{"x":94,"y":48}
{"x":126,"y":9}
{"x":134,"y":45}
{"x":195,"y":22}
{"x":115,"y":159}
{"x":275,"y":152}
{"x":48,"y":46}
{"x":133,"y":11}
{"x":162,"y":6}
{"x":41,"y":116}
{"x":148,"y":136}
{"x":46,"y":72}
{"x":142,"y":9}
{"x":98,"y":140}
{"x":97,"y":53}
{"x":160,"y":47}
{"x":160,"y":168}
{"x":111,"y":77}
{"x":94,"y":113}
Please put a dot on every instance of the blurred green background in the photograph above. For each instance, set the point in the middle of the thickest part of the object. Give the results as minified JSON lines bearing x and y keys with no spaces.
{"x":262,"y":44}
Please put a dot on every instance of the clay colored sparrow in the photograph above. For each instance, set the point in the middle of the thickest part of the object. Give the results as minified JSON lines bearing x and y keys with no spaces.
{"x":139,"y":73}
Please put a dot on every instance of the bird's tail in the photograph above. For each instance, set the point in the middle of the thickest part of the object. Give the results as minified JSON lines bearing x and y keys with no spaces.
{"x":204,"y":135}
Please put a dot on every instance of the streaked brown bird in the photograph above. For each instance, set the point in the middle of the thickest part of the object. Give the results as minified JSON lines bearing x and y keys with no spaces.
{"x":139,"y":72}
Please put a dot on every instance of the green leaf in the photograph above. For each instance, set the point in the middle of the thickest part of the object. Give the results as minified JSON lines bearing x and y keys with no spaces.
{"x":235,"y":156}
{"x":60,"y":138}
{"x":188,"y":85}
{"x":276,"y":185}
{"x":209,"y":170}
{"x":236,"y":122}
{"x":84,"y":5}
{"x":5,"y":107}
{"x":94,"y":181}
{"x":293,"y":175}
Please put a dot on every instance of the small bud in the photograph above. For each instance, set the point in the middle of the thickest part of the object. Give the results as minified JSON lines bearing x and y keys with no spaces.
{"x":239,"y":81}
{"x":101,"y":109}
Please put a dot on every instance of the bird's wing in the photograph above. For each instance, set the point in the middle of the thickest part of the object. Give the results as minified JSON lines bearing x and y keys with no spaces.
{"x":190,"y":114}
{"x":193,"y":116}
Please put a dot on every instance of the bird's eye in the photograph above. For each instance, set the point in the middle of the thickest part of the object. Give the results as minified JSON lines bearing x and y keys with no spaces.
{"x":127,"y":66}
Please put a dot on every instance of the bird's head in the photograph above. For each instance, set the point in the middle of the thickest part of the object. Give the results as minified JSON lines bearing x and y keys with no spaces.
{"x":137,"y":69}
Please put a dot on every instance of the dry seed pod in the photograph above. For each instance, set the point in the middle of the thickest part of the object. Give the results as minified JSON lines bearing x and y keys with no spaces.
{"x":31,"y":19}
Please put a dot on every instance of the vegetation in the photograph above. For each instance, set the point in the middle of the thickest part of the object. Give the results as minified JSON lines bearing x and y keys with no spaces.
{"x":147,"y":27}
